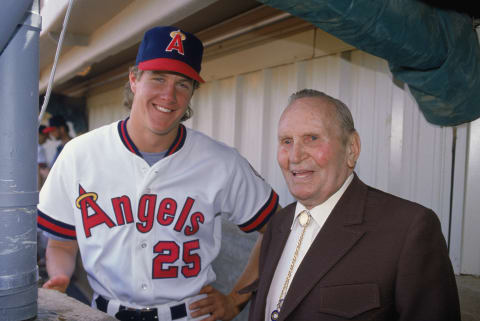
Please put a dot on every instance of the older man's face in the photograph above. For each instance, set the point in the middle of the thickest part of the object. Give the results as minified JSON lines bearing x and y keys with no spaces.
{"x":311,"y":154}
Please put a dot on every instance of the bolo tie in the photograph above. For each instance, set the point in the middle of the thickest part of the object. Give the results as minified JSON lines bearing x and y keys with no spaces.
{"x":304,"y":219}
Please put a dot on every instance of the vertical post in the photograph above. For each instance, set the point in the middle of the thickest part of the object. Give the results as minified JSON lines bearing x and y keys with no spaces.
{"x":12,"y":13}
{"x":19,"y":70}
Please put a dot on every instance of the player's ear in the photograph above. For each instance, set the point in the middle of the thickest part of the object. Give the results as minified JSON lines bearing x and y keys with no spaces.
{"x":133,"y":81}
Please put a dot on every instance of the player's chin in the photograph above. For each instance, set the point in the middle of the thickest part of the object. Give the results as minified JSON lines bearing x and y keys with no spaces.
{"x":164,"y":128}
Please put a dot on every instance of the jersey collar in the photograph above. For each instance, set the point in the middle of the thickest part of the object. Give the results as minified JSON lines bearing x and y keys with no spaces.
{"x":128,"y":142}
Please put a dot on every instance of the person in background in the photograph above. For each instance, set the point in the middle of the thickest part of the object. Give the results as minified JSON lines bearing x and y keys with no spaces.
{"x":58,"y":130}
{"x":42,"y":173}
{"x":43,"y":167}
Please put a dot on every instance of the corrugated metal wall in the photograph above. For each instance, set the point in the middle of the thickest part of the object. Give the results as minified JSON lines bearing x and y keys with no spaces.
{"x":471,"y":238}
{"x":105,"y":106}
{"x":401,"y":152}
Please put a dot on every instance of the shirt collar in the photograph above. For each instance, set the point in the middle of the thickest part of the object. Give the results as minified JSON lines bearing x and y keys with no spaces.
{"x":176,"y":145}
{"x":321,"y":212}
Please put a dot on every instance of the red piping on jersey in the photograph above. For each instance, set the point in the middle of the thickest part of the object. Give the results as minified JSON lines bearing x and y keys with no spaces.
{"x":50,"y":226}
{"x":178,"y":141}
{"x":123,"y":127}
{"x":263,"y":215}
{"x":176,"y":145}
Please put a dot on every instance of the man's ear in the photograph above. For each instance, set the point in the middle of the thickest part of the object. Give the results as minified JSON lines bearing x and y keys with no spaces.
{"x":133,"y":81}
{"x":353,"y":149}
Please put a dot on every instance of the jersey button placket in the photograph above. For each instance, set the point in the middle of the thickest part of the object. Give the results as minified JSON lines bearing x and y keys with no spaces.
{"x":145,"y":283}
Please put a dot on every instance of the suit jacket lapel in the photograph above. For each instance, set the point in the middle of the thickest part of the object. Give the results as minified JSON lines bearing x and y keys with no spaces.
{"x":275,"y":246}
{"x":334,"y":240}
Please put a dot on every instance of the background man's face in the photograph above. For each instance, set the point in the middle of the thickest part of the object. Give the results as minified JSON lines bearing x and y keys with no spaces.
{"x":310,"y":152}
{"x":55,"y":133}
{"x":42,"y":138}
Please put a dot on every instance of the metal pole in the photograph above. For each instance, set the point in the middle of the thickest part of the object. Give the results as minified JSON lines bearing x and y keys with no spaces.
{"x":13,"y":13}
{"x":19,"y":70}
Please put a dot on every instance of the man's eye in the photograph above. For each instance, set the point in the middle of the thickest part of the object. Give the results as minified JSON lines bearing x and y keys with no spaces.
{"x":184,"y":85}
{"x":286,"y":141}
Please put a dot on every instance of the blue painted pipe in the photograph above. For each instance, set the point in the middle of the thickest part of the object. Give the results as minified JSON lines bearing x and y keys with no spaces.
{"x":12,"y":14}
{"x":19,"y":70}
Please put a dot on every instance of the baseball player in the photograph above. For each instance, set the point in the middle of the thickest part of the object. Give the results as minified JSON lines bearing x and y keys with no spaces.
{"x":142,"y":198}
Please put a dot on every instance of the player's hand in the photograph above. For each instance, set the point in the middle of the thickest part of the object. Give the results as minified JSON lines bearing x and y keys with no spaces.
{"x":59,"y":283}
{"x":217,"y":304}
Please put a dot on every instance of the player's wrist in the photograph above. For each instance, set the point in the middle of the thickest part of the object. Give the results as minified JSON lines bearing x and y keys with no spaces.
{"x":57,"y":282}
{"x":238,"y":301}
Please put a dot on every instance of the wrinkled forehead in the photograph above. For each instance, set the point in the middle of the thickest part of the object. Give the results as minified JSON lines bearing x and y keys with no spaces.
{"x":306,"y":116}
{"x":313,"y":110}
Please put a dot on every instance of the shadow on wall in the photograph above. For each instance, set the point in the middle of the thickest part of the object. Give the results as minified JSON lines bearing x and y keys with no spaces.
{"x":234,"y":254}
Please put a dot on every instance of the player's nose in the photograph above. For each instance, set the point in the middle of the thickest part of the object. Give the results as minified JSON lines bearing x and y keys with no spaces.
{"x":167,"y":93}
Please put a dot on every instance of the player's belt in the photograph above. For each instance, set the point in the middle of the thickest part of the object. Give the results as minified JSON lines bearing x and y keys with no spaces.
{"x":124,"y":313}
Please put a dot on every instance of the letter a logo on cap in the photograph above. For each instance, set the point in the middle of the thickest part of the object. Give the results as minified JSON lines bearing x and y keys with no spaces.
{"x":177,"y":42}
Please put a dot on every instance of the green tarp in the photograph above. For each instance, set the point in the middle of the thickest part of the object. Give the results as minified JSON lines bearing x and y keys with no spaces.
{"x":435,"y":51}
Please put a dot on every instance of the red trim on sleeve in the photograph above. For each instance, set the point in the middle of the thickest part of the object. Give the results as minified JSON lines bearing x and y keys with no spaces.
{"x":58,"y":229}
{"x":263,"y":215}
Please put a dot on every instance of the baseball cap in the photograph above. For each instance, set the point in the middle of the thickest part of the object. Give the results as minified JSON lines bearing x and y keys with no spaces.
{"x":171,"y":49}
{"x":54,"y":122}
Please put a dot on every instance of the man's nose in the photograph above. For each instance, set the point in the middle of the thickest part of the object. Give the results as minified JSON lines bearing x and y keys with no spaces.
{"x":168,"y":92}
{"x":297,"y":152}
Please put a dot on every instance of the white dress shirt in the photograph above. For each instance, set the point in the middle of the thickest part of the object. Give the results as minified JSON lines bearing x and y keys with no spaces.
{"x":319,"y":214}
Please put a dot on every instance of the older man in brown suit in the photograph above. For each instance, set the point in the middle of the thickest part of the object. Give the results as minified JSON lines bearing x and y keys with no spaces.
{"x":344,"y":250}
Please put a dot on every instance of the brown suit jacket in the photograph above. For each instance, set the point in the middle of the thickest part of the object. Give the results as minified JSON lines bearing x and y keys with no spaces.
{"x":378,"y":257}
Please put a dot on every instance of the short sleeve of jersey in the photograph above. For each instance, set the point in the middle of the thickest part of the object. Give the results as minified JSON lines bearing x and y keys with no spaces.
{"x":249,"y":200}
{"x":55,"y":212}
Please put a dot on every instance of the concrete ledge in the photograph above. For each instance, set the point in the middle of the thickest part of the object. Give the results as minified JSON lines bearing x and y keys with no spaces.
{"x":56,"y":306}
{"x":469,"y":293}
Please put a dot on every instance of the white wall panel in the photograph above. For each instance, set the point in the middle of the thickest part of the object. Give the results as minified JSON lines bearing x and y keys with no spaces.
{"x":426,"y":162}
{"x":401,"y":152}
{"x":105,"y":107}
{"x":471,"y":236}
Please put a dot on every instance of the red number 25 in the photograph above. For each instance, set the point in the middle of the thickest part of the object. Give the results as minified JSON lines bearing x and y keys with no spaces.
{"x":168,"y":253}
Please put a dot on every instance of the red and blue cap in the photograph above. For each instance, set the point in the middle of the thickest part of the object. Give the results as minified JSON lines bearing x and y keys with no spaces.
{"x":171,"y":49}
{"x":54,"y":122}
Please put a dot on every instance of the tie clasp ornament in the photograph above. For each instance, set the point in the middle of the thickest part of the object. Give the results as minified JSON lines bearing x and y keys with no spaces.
{"x":304,"y":218}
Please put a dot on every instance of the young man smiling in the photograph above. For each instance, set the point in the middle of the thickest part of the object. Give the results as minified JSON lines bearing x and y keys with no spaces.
{"x":160,"y":101}
{"x":141,"y":198}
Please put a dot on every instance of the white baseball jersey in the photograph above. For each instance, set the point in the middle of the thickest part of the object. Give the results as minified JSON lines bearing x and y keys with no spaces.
{"x":148,"y":235}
